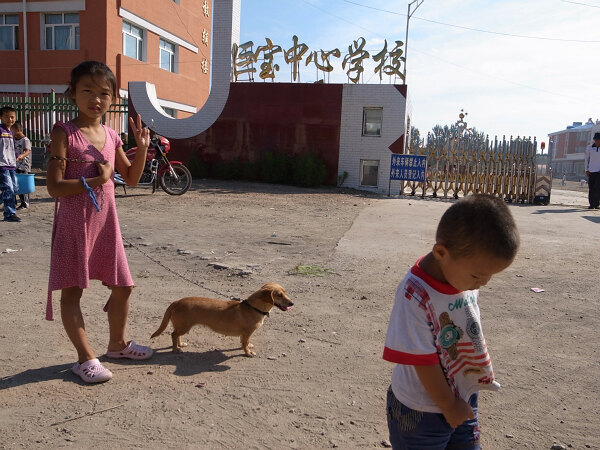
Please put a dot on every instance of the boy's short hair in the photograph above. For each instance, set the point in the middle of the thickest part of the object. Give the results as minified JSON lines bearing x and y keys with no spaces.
{"x":18,"y":126}
{"x":6,"y":109}
{"x":479,"y":223}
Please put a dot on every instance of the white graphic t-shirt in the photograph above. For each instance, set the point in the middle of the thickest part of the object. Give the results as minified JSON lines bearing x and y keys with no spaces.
{"x":433,"y":323}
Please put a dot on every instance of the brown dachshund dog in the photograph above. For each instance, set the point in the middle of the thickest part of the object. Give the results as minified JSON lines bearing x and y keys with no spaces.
{"x":228,"y":317}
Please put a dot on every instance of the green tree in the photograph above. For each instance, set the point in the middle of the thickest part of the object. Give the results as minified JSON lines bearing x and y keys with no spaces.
{"x":414,"y":140}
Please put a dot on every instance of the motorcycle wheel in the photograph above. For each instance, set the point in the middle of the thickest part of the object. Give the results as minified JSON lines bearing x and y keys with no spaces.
{"x":177,"y":186}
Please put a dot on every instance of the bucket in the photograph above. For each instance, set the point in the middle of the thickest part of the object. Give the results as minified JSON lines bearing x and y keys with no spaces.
{"x":26,"y":183}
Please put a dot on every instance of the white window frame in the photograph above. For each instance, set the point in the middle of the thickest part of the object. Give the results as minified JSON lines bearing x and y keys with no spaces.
{"x":369,"y":126}
{"x":15,"y":31}
{"x":364,"y":163}
{"x":73,"y":31}
{"x":163,"y":49}
{"x":140,"y":40}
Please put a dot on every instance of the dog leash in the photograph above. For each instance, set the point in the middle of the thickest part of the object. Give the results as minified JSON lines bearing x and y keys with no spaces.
{"x":183,"y":277}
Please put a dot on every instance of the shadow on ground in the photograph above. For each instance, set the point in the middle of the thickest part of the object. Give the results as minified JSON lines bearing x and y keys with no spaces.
{"x":185,"y":364}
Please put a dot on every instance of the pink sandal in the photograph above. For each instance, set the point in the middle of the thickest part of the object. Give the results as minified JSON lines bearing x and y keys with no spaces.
{"x":132,"y":351}
{"x":92,"y":371}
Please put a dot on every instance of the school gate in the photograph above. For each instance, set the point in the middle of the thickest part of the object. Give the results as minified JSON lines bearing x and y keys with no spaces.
{"x":462,"y":165}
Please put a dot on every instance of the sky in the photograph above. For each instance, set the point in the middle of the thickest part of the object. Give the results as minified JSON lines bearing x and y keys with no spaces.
{"x":515,"y":67}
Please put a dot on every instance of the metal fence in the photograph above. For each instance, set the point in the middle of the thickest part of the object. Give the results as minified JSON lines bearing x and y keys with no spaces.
{"x":462,"y":165}
{"x":38,"y":114}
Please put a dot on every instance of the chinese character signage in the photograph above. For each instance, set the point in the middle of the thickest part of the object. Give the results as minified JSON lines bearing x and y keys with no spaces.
{"x":388,"y":61}
{"x":408,"y":168}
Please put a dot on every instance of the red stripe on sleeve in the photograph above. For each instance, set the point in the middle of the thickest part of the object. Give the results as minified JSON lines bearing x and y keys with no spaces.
{"x":410,"y":359}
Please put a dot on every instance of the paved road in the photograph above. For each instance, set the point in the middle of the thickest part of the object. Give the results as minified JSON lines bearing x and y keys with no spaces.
{"x":568,"y":198}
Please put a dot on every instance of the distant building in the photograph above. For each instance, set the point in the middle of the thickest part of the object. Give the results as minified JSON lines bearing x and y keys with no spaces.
{"x":567,"y":148}
{"x":166,"y":44}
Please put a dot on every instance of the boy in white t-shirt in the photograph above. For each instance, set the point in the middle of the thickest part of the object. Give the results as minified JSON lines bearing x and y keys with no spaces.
{"x":434,"y":334}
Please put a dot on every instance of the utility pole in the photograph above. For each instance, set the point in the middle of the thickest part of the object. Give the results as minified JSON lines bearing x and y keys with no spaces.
{"x":408,"y":16}
{"x":406,"y":123}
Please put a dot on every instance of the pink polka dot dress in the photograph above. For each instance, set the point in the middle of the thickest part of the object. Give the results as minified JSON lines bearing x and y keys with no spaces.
{"x":87,"y":243}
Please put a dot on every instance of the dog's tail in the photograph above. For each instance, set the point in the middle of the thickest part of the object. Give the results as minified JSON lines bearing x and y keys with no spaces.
{"x":165,"y":320}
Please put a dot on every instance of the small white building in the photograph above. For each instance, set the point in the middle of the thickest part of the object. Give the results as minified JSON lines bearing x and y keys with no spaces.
{"x":373,"y":126}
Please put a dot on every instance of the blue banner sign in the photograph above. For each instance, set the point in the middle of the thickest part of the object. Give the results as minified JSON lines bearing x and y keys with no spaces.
{"x":408,"y":168}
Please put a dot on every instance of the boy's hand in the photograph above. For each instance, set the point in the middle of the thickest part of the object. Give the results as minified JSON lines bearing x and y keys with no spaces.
{"x":457,"y":412}
{"x":105,"y":171}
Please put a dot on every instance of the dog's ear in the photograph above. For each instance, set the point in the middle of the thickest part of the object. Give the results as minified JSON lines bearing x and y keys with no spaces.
{"x":274,"y":292}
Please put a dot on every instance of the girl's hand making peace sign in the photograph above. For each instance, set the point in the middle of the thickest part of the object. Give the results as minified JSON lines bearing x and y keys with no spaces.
{"x":141,"y":134}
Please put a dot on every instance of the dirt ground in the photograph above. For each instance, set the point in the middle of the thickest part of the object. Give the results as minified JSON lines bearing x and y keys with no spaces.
{"x":318,"y":380}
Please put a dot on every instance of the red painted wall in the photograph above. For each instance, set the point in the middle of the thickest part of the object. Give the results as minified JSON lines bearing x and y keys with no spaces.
{"x":277,"y":117}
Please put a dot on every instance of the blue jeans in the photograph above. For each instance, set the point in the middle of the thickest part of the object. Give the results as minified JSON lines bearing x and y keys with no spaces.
{"x":8,"y":187}
{"x":418,"y":430}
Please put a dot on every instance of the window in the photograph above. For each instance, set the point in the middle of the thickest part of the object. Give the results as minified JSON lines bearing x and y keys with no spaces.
{"x":167,"y":55}
{"x":133,"y":41}
{"x":171,"y":112}
{"x":372,"y":121}
{"x":61,"y":31}
{"x":369,"y":168}
{"x":9,"y":32}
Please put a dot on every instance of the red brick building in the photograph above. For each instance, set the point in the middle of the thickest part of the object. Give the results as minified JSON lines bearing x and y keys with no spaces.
{"x":164,"y":42}
{"x":567,"y":149}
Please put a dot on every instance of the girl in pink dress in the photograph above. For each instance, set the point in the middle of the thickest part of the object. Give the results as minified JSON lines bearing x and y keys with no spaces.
{"x":86,"y":238}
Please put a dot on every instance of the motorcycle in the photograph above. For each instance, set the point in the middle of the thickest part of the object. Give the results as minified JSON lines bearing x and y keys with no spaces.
{"x":173,"y":177}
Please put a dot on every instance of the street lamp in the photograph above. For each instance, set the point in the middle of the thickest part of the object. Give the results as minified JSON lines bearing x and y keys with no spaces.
{"x":408,"y":16}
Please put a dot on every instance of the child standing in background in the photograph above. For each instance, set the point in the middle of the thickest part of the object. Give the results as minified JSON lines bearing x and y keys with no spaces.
{"x":434,"y":334}
{"x":23,"y":152}
{"x":86,"y":237}
{"x":8,"y":162}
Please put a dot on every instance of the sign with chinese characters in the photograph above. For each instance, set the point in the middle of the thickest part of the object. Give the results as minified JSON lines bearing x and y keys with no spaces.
{"x":388,"y":62}
{"x":408,"y":168}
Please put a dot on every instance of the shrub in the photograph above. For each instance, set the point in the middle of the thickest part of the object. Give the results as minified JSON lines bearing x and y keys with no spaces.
{"x":249,"y":171}
{"x":274,"y":168}
{"x":197,"y":169}
{"x":308,"y":170}
{"x":228,"y":170}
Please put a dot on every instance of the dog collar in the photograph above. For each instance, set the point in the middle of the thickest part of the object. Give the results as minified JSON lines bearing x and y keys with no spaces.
{"x":244,"y":302}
